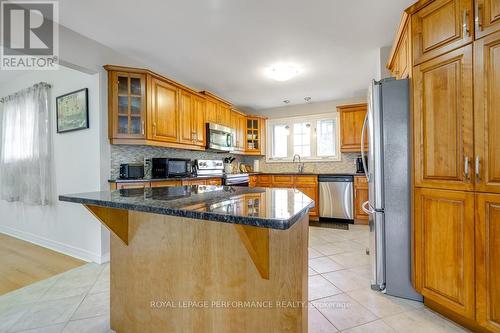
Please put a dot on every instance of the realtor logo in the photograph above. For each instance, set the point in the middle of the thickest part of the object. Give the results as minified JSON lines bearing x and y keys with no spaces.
{"x":29,"y":35}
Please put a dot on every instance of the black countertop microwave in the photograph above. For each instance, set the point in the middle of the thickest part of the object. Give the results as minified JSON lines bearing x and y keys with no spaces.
{"x":171,"y":168}
{"x":131,"y":171}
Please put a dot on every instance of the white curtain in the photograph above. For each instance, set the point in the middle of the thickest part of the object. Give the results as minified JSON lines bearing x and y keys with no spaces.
{"x":25,"y":147}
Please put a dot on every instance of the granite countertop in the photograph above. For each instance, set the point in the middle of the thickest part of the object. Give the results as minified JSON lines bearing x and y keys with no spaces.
{"x":142,"y":180}
{"x":260,"y":207}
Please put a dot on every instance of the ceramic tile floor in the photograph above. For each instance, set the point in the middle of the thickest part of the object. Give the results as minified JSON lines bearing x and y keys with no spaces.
{"x":339,"y":294}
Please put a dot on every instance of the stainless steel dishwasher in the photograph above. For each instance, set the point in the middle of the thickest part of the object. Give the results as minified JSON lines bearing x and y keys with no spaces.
{"x":336,"y":198}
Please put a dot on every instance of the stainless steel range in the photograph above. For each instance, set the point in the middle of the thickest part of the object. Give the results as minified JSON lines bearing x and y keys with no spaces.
{"x":209,"y":168}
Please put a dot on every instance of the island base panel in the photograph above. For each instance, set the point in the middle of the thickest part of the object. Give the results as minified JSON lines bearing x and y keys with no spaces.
{"x":183,"y":275}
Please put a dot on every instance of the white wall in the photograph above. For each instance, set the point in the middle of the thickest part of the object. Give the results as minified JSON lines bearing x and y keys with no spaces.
{"x":82,"y":159}
{"x":76,"y":164}
{"x":383,"y":57}
{"x":308,"y":109}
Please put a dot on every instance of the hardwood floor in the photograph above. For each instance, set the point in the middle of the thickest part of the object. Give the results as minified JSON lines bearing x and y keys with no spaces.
{"x":23,"y":263}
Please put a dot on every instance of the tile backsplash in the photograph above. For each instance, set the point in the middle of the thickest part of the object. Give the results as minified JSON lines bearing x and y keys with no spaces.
{"x":136,"y":154}
{"x":346,"y":165}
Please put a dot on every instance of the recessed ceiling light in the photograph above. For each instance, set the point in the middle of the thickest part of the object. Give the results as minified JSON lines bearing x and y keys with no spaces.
{"x":282,"y":71}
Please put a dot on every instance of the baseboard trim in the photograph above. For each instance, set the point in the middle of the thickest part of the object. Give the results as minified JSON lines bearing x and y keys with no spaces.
{"x":55,"y":246}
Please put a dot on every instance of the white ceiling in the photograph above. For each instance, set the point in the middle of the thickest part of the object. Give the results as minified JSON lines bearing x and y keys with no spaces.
{"x":225,"y":45}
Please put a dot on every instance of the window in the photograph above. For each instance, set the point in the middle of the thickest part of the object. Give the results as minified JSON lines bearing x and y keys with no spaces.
{"x":302,"y":139}
{"x":280,"y":138}
{"x":313,"y":138}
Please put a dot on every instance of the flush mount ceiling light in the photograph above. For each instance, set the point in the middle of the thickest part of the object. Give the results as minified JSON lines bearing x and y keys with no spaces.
{"x":282,"y":71}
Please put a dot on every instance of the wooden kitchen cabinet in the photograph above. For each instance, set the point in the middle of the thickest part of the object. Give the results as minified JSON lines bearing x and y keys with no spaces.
{"x":224,"y":114}
{"x":127,"y":105}
{"x":145,"y":108}
{"x":194,"y":182}
{"x":165,"y":183}
{"x":487,"y":17}
{"x":440,"y":27}
{"x":360,"y":196}
{"x":487,"y":113}
{"x":214,"y":181}
{"x":264,"y":181}
{"x":238,"y":124}
{"x":488,"y":261}
{"x":163,"y":112}
{"x":129,"y":185}
{"x":282,"y":181}
{"x":252,"y":181}
{"x":211,"y":111}
{"x":443,"y":121}
{"x":191,"y":119}
{"x":444,"y":249}
{"x":400,"y":57}
{"x":218,"y":111}
{"x":255,"y":136}
{"x":352,"y":118}
{"x":307,"y":184}
{"x":456,"y":163}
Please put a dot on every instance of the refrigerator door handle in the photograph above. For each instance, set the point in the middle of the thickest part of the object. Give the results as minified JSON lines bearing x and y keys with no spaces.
{"x":363,"y":130}
{"x":366,"y":208}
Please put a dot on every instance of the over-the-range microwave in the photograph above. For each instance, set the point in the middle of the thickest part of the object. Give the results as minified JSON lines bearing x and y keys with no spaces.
{"x":220,"y":137}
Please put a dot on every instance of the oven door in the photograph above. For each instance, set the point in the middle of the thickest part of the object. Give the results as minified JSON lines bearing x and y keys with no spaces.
{"x":220,"y":137}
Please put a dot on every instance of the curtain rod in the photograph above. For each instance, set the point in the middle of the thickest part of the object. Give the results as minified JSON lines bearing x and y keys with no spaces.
{"x":4,"y":99}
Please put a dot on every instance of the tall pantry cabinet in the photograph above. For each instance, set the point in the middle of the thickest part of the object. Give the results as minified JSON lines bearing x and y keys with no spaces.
{"x":453,"y":50}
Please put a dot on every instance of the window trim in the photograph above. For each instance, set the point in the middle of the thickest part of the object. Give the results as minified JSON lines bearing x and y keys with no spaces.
{"x":296,"y":119}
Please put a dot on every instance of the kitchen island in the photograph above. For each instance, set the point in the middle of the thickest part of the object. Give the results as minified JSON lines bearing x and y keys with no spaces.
{"x":205,"y":258}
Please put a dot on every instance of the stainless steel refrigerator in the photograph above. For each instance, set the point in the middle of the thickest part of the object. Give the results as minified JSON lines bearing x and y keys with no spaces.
{"x":387,"y":127}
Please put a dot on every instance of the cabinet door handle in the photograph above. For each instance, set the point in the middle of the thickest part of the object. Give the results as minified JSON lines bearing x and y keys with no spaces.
{"x":154,"y":129}
{"x":479,"y":18}
{"x":466,"y":167}
{"x":142,"y":127}
{"x":465,"y":24}
{"x":478,"y":165}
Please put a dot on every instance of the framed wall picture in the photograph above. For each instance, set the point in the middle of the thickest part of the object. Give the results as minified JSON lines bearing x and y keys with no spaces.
{"x":72,"y":111}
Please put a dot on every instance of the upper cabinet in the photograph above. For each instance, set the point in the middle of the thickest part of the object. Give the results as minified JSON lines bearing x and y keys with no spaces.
{"x":487,"y":17}
{"x":255,"y":136}
{"x":443,"y":121}
{"x":148,"y":109}
{"x":163,"y":112}
{"x":441,"y":26}
{"x":400,"y":58}
{"x":238,"y":124}
{"x":218,"y":110}
{"x":127,"y":105}
{"x":352,"y":118}
{"x":191,"y":119}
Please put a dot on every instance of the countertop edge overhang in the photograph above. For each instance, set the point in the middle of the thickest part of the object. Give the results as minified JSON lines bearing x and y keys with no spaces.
{"x":270,"y":223}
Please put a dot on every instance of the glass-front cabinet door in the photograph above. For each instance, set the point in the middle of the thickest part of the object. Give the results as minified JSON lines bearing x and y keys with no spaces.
{"x":128,"y":103}
{"x":253,"y":140}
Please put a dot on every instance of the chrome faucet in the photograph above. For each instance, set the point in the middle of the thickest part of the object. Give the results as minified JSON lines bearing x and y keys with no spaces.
{"x":300,"y":167}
